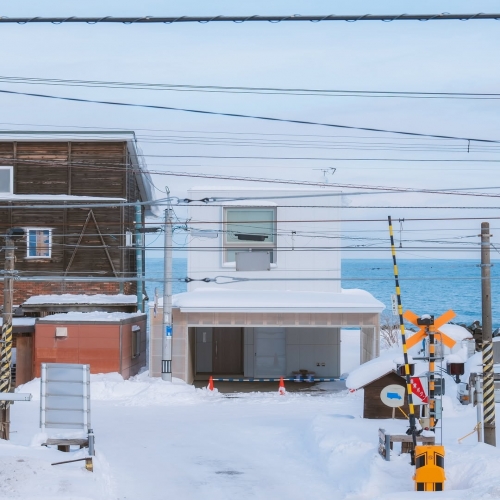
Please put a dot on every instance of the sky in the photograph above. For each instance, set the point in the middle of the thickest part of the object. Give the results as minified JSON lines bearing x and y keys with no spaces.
{"x":440,"y":56}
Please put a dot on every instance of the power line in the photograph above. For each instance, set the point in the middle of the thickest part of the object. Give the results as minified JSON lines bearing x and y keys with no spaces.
{"x":246,"y":90}
{"x":254,"y":18}
{"x":253,"y":117}
{"x":388,"y":189}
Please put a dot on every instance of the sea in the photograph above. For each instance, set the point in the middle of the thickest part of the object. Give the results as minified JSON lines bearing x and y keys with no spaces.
{"x":427,"y":286}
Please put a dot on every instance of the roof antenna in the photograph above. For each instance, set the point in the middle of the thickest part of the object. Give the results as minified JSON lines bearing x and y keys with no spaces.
{"x":325,"y":171}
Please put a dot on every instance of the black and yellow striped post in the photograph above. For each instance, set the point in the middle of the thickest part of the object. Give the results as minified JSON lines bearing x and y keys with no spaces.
{"x":432,"y":369}
{"x":487,"y":345}
{"x":6,"y":341}
{"x":411,"y":406}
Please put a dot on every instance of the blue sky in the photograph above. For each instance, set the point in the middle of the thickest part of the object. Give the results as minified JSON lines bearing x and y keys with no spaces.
{"x":448,"y":56}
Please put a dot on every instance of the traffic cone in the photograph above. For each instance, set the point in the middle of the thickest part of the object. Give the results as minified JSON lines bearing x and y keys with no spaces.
{"x":210,"y":386}
{"x":281,"y":390}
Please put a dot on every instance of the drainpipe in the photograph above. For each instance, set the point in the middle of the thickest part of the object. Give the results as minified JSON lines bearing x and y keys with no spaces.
{"x":138,"y":255}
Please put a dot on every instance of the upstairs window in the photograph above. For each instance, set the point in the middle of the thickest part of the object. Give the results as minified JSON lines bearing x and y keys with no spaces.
{"x":39,"y":243}
{"x":6,"y":180}
{"x":249,"y":228}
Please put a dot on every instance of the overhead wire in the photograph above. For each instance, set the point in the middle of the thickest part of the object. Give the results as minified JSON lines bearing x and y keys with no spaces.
{"x":247,"y":116}
{"x":245,"y":89}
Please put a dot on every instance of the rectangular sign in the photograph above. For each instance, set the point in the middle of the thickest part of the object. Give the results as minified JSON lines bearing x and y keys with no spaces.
{"x":65,"y":396}
{"x":394,"y":303}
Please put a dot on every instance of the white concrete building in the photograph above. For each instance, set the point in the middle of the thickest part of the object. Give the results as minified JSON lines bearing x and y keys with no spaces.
{"x":266,"y":297}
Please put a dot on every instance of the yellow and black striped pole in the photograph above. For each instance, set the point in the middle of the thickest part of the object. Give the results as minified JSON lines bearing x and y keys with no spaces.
{"x":6,"y":344}
{"x":432,"y":369}
{"x":413,"y":428}
{"x":487,"y":344}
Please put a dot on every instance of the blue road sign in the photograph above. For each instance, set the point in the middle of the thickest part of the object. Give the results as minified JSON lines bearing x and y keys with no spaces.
{"x":393,"y":395}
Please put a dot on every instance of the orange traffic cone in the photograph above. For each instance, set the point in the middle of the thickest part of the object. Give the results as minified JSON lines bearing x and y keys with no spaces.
{"x":210,"y":386}
{"x":281,"y":389}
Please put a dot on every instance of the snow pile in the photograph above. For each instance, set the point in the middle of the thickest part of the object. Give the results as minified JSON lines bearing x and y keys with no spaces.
{"x":140,"y":390}
{"x":456,"y":332}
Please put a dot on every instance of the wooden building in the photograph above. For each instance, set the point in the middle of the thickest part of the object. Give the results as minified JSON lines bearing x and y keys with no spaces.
{"x":76,"y":196}
{"x":73,"y":193}
{"x":372,"y":404}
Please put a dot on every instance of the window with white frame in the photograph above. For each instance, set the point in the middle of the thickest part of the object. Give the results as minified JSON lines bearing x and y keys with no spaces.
{"x":249,"y":229}
{"x":6,"y":180}
{"x":38,"y":243}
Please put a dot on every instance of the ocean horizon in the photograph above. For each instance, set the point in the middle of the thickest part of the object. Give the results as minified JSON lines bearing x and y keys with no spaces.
{"x":428,"y":286}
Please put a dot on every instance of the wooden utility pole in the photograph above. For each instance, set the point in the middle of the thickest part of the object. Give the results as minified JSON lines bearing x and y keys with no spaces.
{"x":6,"y":341}
{"x":487,"y":344}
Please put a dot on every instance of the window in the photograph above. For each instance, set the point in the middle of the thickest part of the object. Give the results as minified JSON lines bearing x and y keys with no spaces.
{"x":136,"y":341}
{"x":248,"y":229}
{"x":6,"y":180}
{"x":38,"y":243}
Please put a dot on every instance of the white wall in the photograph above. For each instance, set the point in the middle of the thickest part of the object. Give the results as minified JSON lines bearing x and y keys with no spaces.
{"x":317,"y":262}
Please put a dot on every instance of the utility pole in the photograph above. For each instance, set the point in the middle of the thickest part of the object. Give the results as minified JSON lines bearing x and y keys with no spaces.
{"x":138,"y":256}
{"x":6,"y":341}
{"x":487,"y":345}
{"x":166,"y":343}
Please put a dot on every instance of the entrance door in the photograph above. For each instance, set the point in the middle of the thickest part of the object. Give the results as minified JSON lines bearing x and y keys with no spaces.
{"x":227,"y":345}
{"x":270,"y":352}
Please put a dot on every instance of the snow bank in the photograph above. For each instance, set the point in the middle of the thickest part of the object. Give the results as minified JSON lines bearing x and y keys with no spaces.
{"x":140,"y":390}
{"x":456,"y":332}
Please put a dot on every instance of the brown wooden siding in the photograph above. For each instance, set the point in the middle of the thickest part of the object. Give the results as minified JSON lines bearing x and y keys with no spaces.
{"x":80,"y":168}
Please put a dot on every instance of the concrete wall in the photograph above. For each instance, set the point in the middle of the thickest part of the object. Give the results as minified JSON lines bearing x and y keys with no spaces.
{"x":296,"y":256}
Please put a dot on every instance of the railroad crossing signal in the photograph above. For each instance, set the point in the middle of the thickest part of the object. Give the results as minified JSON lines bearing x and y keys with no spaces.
{"x":429,"y":471}
{"x":427,"y":327}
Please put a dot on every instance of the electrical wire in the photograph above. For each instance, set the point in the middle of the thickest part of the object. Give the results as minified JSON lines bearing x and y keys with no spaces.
{"x":245,"y":89}
{"x":245,"y":116}
{"x":252,"y":18}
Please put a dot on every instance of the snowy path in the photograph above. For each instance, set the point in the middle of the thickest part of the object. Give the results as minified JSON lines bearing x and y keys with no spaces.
{"x":157,"y":440}
{"x":218,"y":451}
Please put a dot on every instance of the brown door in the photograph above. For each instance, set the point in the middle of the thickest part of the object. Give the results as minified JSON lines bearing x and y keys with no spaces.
{"x":24,"y":360}
{"x":227,"y":348}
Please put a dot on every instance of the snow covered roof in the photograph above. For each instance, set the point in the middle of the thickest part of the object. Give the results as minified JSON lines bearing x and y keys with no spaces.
{"x":68,"y":298}
{"x":96,"y":317}
{"x":57,"y":198}
{"x":210,"y":299}
{"x":21,"y":321}
{"x":373,"y":369}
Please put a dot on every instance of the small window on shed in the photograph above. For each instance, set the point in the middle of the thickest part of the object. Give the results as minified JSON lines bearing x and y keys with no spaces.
{"x":6,"y":180}
{"x":38,"y":243}
{"x":136,"y":341}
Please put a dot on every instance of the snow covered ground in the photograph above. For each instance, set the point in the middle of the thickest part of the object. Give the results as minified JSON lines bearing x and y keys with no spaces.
{"x":158,"y":440}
